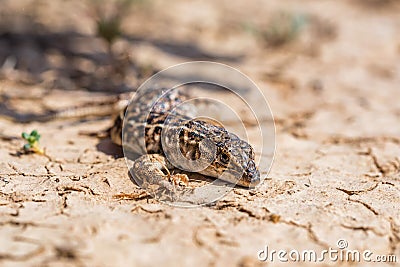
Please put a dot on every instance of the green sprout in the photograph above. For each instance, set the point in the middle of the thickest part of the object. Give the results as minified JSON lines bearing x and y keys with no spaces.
{"x":109,"y":16}
{"x":282,"y":28}
{"x":109,"y":30}
{"x":33,"y":142}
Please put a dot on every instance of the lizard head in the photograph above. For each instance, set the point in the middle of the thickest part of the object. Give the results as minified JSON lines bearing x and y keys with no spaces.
{"x":236,"y":158}
{"x":233,"y":159}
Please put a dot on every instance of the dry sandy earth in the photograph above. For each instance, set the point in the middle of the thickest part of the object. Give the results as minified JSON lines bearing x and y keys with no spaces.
{"x":335,"y":96}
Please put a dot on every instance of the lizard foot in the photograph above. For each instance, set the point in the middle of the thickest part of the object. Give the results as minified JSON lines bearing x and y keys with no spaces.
{"x":153,"y":173}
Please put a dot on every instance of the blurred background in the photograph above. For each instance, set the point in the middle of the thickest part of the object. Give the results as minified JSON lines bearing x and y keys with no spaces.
{"x":292,"y":50}
{"x":296,"y":52}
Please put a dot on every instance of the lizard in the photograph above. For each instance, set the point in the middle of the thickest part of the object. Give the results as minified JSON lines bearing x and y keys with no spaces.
{"x":140,"y":126}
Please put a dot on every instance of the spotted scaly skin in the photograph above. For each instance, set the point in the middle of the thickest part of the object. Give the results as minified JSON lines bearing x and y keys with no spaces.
{"x":141,"y":133}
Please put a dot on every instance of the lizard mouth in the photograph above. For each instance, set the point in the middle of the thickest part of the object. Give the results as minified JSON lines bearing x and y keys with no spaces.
{"x":250,"y":179}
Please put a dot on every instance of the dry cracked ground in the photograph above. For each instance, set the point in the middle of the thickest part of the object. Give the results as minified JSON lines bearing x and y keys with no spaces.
{"x":334,"y":93}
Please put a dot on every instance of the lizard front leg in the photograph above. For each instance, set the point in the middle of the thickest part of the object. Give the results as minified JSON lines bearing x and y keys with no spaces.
{"x":153,"y":171}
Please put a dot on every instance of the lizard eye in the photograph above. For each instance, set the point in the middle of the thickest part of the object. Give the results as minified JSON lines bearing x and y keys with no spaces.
{"x":224,"y":158}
